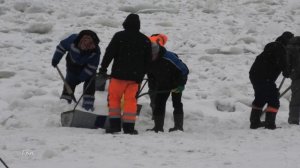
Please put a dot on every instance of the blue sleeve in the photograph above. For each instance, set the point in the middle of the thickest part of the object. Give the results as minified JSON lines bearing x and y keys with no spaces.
{"x":63,"y":47}
{"x":174,"y":59}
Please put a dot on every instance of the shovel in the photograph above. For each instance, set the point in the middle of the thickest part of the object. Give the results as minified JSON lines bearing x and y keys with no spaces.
{"x":67,"y":86}
{"x":82,"y":119}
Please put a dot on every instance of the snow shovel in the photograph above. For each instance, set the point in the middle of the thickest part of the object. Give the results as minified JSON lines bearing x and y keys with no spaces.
{"x":67,"y":86}
{"x":82,"y":119}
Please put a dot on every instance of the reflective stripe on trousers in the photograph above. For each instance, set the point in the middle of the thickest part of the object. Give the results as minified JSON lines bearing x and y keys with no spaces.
{"x":118,"y":88}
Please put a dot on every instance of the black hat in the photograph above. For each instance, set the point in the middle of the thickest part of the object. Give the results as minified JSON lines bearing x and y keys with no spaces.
{"x":285,"y":37}
{"x":132,"y":22}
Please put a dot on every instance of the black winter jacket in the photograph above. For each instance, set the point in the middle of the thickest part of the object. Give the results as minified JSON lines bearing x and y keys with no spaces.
{"x":131,"y":52}
{"x":270,"y":63}
{"x":164,"y":74}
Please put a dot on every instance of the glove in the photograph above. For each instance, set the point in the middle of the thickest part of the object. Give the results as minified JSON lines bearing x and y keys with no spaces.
{"x":179,"y":89}
{"x":54,"y":63}
{"x":102,"y":72}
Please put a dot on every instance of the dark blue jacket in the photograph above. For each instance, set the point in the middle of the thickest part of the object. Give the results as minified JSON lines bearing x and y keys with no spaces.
{"x":79,"y":64}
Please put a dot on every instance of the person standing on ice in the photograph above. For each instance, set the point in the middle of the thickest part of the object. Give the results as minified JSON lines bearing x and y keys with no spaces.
{"x":263,"y":74}
{"x":83,"y":57}
{"x":166,"y":73}
{"x":160,"y":39}
{"x":131,"y":52}
{"x":293,"y":52}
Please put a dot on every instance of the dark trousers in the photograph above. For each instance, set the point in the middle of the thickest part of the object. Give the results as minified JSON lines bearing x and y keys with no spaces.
{"x":158,"y":101}
{"x":265,"y":93}
{"x":73,"y":81}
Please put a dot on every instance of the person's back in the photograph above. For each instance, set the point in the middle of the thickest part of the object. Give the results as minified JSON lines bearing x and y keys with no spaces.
{"x":167,"y":71}
{"x":267,"y":65}
{"x":131,"y":51}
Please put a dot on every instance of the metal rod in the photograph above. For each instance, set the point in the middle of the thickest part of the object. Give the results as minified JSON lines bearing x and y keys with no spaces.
{"x":4,"y":163}
{"x":67,"y":86}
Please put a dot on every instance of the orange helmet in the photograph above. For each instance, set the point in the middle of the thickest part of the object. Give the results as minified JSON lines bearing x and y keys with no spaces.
{"x":160,"y":39}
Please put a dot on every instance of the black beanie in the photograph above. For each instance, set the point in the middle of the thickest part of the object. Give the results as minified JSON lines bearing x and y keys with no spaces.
{"x":285,"y":37}
{"x":132,"y":22}
{"x":89,"y":33}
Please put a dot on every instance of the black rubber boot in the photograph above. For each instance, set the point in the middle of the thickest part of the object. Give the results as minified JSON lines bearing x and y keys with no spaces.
{"x":114,"y":125}
{"x":128,"y":128}
{"x":158,"y":124}
{"x":178,"y":123}
{"x":255,"y":119}
{"x":270,"y":120}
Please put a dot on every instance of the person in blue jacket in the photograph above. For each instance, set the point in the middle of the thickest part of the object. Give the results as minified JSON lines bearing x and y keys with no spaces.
{"x":167,"y":76}
{"x":82,"y":60}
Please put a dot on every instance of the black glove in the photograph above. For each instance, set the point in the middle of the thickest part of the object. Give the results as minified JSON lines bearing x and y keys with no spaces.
{"x":54,"y":63}
{"x":102,"y":72}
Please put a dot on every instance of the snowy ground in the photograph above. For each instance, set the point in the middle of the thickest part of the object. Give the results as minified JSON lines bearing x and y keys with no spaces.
{"x":218,"y":39}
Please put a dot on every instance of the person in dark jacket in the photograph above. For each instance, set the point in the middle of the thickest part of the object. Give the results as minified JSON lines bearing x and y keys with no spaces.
{"x":167,"y":75}
{"x":131,"y":52}
{"x":83,"y":56}
{"x":293,"y":52}
{"x":265,"y":70}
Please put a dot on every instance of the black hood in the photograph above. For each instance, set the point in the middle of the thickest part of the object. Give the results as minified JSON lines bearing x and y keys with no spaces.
{"x":285,"y":37}
{"x":132,"y":22}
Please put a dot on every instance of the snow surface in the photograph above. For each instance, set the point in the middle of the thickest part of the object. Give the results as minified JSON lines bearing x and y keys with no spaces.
{"x":218,"y":39}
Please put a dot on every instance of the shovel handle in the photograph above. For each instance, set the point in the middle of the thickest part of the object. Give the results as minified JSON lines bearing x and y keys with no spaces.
{"x":3,"y":163}
{"x":67,"y":86}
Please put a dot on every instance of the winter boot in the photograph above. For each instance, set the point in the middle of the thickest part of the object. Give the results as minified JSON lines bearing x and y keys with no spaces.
{"x":128,"y":128}
{"x":255,"y":119}
{"x":178,"y":123}
{"x":270,"y":120}
{"x":114,"y":125}
{"x":158,"y":124}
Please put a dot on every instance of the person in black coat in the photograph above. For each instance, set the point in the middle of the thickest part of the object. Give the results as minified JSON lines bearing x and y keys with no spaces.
{"x":131,"y":51}
{"x":167,"y":75}
{"x":265,"y":70}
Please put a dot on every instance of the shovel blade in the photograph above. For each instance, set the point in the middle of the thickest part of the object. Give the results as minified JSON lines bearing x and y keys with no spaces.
{"x":82,"y":119}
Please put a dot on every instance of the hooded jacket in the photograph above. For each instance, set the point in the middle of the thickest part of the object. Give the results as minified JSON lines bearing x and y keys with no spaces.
{"x":130,"y":50}
{"x":272,"y":61}
{"x":80,"y":64}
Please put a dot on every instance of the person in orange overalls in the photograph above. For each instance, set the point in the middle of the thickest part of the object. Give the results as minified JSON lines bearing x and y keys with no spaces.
{"x":131,"y":52}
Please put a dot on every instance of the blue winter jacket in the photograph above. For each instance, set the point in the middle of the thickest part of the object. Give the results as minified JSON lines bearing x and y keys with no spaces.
{"x":80,"y":65}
